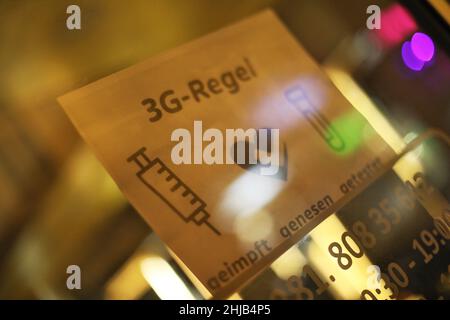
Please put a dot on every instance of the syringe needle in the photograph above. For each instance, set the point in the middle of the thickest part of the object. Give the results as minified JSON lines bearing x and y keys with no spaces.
{"x":174,"y":195}
{"x":212,"y":228}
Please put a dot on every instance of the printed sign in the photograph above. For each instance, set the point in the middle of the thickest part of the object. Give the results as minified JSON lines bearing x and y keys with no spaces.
{"x":228,"y":146}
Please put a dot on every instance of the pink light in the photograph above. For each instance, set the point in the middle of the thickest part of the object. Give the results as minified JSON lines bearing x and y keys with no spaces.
{"x":422,"y":46}
{"x":418,"y":51}
{"x":396,"y":24}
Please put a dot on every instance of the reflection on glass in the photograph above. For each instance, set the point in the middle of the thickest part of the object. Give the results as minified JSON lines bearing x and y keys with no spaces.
{"x":389,"y":242}
{"x":164,"y":280}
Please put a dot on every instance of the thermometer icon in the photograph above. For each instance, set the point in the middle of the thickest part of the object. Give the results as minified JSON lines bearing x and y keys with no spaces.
{"x":298,"y":98}
{"x":156,"y":176}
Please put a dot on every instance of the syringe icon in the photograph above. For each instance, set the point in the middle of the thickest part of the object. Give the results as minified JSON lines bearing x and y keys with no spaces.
{"x":170,"y":189}
{"x":299,"y":99}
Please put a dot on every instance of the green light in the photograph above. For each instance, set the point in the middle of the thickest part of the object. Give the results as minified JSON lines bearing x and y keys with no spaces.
{"x":351,"y":128}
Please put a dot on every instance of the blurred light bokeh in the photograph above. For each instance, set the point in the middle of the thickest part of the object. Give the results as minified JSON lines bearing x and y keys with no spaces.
{"x":59,"y":207}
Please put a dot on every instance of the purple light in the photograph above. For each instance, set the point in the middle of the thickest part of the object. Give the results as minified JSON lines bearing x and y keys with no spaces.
{"x":410,"y":59}
{"x":422,"y":46}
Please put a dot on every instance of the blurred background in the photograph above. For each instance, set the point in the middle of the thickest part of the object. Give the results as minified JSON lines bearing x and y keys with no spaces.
{"x":58,"y":207}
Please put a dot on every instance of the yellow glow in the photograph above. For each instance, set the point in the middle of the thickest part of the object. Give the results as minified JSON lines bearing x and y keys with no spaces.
{"x":349,"y":283}
{"x":443,"y":7}
{"x":197,"y":284}
{"x":195,"y":281}
{"x":361,"y":102}
{"x":164,"y":280}
{"x":235,"y":296}
{"x":128,"y":283}
{"x":289,"y":263}
{"x":409,"y":164}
